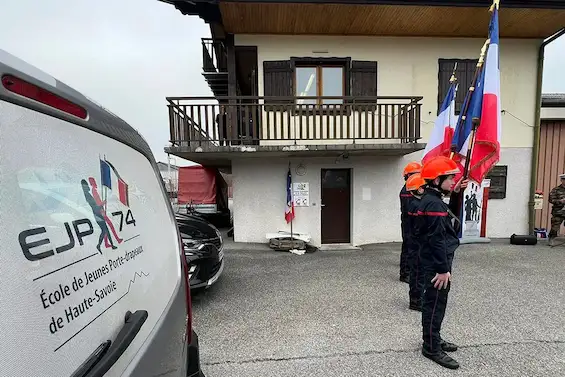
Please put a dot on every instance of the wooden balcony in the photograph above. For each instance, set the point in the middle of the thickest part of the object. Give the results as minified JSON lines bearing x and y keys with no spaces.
{"x":207,"y":127}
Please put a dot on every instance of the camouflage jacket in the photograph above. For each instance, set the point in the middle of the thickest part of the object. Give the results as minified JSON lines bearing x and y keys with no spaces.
{"x":555,"y":196}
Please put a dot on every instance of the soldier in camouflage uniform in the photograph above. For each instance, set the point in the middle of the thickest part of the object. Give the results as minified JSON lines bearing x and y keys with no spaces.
{"x":557,"y":200}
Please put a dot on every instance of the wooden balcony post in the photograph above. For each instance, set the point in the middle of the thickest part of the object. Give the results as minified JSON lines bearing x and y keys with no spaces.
{"x":232,"y":89}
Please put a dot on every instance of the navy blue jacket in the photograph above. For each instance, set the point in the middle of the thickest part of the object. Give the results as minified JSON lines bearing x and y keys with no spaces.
{"x":405,"y":197}
{"x":411,"y":230}
{"x":436,"y":231}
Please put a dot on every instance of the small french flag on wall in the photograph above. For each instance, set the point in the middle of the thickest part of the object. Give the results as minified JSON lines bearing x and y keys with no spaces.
{"x":289,"y":210}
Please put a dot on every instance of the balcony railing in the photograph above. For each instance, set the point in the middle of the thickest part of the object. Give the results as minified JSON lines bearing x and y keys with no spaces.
{"x":199,"y":121}
{"x":214,"y":55}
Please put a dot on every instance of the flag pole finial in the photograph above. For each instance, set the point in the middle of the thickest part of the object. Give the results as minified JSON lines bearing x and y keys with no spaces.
{"x":452,"y":79}
{"x":483,"y":53}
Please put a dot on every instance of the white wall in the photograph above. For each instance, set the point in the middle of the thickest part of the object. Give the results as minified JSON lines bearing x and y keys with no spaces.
{"x":409,"y":66}
{"x":260,"y":195}
{"x":510,"y":215}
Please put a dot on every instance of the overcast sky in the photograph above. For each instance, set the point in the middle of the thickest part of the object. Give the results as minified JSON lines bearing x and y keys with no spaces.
{"x":128,"y":55}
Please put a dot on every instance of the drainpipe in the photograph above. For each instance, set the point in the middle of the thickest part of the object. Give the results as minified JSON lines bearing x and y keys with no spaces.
{"x":537,"y":130}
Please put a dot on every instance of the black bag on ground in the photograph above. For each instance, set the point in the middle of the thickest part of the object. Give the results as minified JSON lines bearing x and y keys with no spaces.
{"x":525,"y":239}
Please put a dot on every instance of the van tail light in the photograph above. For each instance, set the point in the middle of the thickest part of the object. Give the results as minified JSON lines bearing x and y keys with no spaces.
{"x":34,"y":92}
{"x":184,"y":271}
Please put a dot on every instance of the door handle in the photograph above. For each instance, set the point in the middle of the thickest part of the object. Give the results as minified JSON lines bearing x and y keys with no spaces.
{"x":322,"y":205}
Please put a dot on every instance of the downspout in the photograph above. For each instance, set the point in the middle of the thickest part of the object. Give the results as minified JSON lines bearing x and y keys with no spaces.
{"x":537,"y":130}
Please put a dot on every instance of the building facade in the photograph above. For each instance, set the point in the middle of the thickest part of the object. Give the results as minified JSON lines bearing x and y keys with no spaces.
{"x":346,"y":100}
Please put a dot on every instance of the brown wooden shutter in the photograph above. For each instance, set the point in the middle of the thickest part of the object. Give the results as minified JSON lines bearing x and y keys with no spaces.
{"x":278,"y":81}
{"x":363,"y":78}
{"x":444,"y":74}
{"x":465,"y":73}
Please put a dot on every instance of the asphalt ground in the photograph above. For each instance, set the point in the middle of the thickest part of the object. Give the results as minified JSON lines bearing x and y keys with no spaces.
{"x":344,"y":313}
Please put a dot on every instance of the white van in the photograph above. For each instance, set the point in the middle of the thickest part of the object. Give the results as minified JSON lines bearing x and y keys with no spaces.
{"x":93,"y":280}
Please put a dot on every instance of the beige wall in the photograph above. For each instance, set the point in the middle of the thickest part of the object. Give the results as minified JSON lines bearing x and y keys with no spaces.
{"x":409,"y":66}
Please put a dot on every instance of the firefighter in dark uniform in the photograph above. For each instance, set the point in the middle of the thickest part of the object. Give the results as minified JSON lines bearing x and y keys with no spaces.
{"x":437,"y":229}
{"x":415,"y":185}
{"x":411,"y":168}
{"x":557,"y":201}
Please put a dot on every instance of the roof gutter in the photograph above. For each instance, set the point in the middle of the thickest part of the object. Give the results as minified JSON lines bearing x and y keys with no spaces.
{"x":537,"y":130}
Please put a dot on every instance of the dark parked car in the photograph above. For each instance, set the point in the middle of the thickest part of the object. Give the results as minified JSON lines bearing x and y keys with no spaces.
{"x":204,"y":250}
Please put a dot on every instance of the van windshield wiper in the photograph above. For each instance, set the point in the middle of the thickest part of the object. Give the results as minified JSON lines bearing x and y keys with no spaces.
{"x":106,"y":354}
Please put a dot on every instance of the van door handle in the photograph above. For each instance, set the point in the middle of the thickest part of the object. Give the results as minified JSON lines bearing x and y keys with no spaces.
{"x":109,"y":352}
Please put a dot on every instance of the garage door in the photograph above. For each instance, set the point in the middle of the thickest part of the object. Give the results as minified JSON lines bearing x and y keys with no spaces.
{"x":551,"y":164}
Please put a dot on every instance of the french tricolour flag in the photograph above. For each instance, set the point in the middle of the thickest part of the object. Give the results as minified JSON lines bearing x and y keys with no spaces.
{"x":440,"y":139}
{"x":462,"y":135}
{"x":486,"y":152}
{"x":112,"y":180}
{"x":289,"y":211}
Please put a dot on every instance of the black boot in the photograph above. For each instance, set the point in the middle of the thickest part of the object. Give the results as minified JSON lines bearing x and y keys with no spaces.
{"x":550,"y":238}
{"x":442,"y":359}
{"x":448,"y":347}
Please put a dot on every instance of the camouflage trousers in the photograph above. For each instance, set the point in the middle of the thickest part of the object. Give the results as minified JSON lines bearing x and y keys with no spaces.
{"x":556,"y":221}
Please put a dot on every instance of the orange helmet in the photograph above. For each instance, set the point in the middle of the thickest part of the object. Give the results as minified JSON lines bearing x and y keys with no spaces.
{"x":439,"y":166}
{"x":412,"y":167}
{"x":414,"y":182}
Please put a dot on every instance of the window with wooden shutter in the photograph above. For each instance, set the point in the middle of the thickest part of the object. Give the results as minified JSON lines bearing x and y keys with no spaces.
{"x":464,"y":74}
{"x":278,"y":82}
{"x":498,"y":177}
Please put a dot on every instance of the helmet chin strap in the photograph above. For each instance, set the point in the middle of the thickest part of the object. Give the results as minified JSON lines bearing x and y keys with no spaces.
{"x":437,"y":187}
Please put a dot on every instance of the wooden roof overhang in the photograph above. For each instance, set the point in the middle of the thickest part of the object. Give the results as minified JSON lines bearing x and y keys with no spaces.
{"x":433,"y":18}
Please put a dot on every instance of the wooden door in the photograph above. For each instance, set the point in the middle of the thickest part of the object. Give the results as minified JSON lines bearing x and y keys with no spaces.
{"x":336,"y":206}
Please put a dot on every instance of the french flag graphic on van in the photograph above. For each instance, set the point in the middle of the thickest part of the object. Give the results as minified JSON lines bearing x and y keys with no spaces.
{"x":106,"y":170}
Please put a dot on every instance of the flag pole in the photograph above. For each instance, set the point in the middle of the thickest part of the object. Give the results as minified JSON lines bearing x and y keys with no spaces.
{"x":291,"y":201}
{"x":465,"y":107}
{"x":476,"y":121}
{"x":452,"y":80}
{"x":105,"y":192}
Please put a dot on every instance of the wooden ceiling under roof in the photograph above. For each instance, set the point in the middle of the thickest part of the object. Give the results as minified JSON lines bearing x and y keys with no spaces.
{"x":386,"y":20}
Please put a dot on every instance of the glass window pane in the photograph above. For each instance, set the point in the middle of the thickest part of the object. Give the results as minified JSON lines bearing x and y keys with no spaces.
{"x":332,"y":84}
{"x":306,"y":84}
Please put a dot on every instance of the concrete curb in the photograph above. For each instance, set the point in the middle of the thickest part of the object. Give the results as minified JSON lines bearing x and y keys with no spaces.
{"x":229,"y":244}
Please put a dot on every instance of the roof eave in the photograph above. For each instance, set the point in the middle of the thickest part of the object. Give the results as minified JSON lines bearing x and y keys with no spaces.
{"x":531,"y":4}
